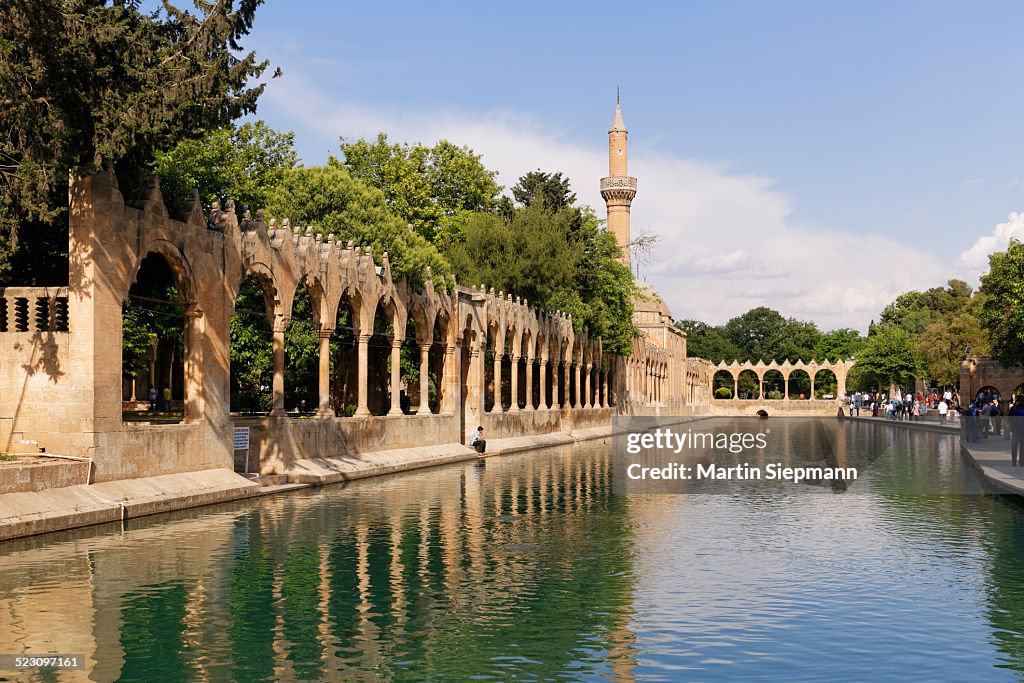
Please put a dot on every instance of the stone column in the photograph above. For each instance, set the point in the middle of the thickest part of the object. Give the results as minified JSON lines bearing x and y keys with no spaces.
{"x":452,"y":379}
{"x":280,"y":326}
{"x":496,"y":408}
{"x":513,"y":406}
{"x":785,"y":383}
{"x":605,"y":400}
{"x":735,"y":389}
{"x":195,"y":328}
{"x":363,"y":350}
{"x":325,"y":374}
{"x":424,"y":408}
{"x":544,"y":383}
{"x":579,"y":383}
{"x":529,"y":383}
{"x":396,"y":376}
{"x":565,"y":384}
{"x":556,"y":373}
{"x":588,"y":382}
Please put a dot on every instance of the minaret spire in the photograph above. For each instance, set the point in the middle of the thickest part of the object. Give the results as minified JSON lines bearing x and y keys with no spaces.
{"x":618,"y":189}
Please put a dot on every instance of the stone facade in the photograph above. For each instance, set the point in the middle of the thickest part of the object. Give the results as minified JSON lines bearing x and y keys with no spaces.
{"x":977,"y":374}
{"x":60,"y":349}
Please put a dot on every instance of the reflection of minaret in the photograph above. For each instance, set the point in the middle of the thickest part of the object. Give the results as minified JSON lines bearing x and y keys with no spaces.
{"x":618,"y":189}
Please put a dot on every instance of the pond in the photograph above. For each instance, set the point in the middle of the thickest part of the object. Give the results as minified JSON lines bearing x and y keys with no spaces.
{"x":531,"y":567}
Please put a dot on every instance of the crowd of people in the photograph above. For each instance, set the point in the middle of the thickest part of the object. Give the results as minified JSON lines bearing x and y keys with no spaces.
{"x":911,"y":407}
{"x":982,"y":417}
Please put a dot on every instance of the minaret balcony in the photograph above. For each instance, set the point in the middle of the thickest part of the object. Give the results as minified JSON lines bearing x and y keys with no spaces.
{"x":619,"y":182}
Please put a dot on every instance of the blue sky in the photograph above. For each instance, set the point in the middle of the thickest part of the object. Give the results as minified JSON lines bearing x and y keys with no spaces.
{"x":818,"y":158}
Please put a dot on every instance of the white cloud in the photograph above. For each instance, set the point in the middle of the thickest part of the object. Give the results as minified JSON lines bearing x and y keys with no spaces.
{"x":728,"y":240}
{"x":974,"y":259}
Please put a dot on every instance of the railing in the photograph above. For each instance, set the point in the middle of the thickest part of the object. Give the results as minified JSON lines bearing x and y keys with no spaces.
{"x":34,"y":309}
{"x":619,"y":182}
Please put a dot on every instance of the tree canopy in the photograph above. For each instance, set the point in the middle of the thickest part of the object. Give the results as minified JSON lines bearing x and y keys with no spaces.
{"x":245,"y":163}
{"x":559,"y":257}
{"x":430,"y":188}
{"x":85,"y":80}
{"x":1002,"y":311}
{"x":332,"y":201}
{"x":889,"y":357}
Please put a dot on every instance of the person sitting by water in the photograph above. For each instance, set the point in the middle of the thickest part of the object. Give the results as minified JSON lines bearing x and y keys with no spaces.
{"x":478,"y":442}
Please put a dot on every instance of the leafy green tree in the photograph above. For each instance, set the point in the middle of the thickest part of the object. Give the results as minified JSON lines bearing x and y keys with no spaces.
{"x":942,"y":344}
{"x":914,"y":311}
{"x":763,"y":334}
{"x":558,"y":259}
{"x":707,"y":341}
{"x":548,"y":189}
{"x":244,"y":163}
{"x":332,"y":201}
{"x":889,"y":357}
{"x":84,"y":80}
{"x":252,"y":356}
{"x":838,"y":344}
{"x":1002,"y":311}
{"x":430,"y":188}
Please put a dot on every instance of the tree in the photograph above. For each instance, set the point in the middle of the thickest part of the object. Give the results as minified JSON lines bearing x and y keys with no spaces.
{"x":558,"y":259}
{"x":244,"y":163}
{"x":889,"y":357}
{"x":838,"y":344}
{"x":943,"y":343}
{"x":914,"y":311}
{"x":1002,"y":311}
{"x":332,"y":201}
{"x":430,"y":188}
{"x":707,"y":341}
{"x":84,"y":80}
{"x":548,"y":189}
{"x":763,"y":334}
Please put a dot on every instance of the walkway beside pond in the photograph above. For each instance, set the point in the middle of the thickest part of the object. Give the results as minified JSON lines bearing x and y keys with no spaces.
{"x":990,"y":457}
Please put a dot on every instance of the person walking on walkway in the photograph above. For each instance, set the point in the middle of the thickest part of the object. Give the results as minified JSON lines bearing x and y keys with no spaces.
{"x":943,"y":411}
{"x":984,"y":417}
{"x":1015,"y":417}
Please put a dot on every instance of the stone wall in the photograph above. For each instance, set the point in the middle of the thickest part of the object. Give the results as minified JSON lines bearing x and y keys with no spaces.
{"x":61,"y":349}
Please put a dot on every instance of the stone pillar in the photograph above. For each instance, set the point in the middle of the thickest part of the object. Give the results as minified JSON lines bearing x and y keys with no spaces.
{"x":451,"y":381}
{"x":280,"y":326}
{"x":565,"y":383}
{"x":513,"y":406}
{"x":735,"y":389}
{"x":812,"y":388}
{"x":424,"y":408}
{"x":588,"y":382}
{"x":363,"y":350}
{"x":325,"y":374}
{"x":556,"y":373}
{"x":579,"y":383}
{"x":544,"y":405}
{"x":785,"y":384}
{"x":396,"y":376}
{"x":605,"y":402}
{"x":529,"y":383}
{"x":497,"y":408}
{"x":195,"y":331}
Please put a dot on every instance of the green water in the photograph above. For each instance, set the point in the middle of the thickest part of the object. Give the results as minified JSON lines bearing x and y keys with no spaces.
{"x":531,"y":569}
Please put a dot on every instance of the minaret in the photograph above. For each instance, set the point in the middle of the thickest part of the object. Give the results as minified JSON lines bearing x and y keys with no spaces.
{"x":618,"y":189}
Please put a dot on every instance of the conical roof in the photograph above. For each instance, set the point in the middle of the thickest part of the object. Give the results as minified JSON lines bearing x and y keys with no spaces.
{"x":617,"y":124}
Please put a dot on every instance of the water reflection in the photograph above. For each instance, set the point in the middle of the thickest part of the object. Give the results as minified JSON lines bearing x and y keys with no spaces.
{"x":530,"y":568}
{"x":517,"y":569}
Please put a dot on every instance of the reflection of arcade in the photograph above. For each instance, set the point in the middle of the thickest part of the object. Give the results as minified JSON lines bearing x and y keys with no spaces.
{"x":320,"y":584}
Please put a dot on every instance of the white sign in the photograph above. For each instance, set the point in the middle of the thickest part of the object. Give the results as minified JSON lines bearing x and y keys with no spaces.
{"x":241,"y":438}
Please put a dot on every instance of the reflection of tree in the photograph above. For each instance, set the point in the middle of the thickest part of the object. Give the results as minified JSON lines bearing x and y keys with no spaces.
{"x":151,"y":632}
{"x":1006,"y":583}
